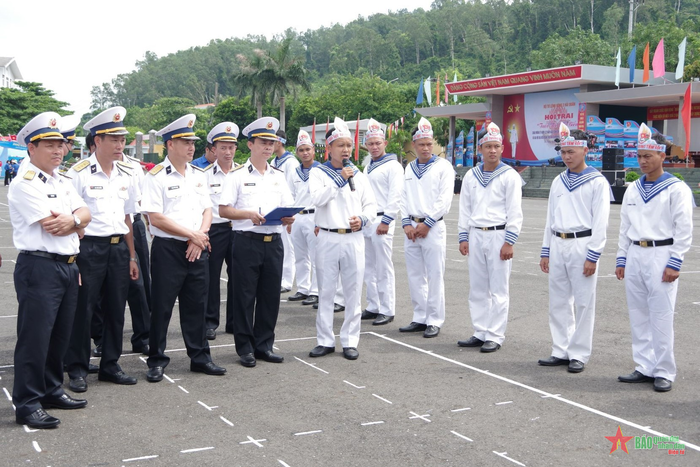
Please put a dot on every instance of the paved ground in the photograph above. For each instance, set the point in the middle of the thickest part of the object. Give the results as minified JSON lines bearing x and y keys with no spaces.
{"x":408,"y":401}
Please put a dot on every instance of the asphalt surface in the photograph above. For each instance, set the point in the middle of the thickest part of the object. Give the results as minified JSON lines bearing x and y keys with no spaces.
{"x":407,"y":401}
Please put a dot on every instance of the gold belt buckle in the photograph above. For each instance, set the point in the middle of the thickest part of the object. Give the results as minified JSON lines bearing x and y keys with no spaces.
{"x":114,"y":240}
{"x":643,"y":243}
{"x":562,"y":235}
{"x":484,"y":228}
{"x":267,"y":238}
{"x":71,"y":259}
{"x":342,"y":231}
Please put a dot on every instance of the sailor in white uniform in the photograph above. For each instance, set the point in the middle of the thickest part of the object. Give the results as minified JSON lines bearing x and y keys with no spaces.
{"x":385,"y":175}
{"x":427,"y":197}
{"x":656,"y":228}
{"x":345,"y":205}
{"x":574,"y":238}
{"x":490,"y":219}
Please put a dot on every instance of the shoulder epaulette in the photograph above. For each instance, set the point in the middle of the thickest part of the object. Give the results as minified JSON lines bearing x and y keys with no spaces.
{"x":133,"y":159}
{"x":237,"y":168}
{"x":81,"y":165}
{"x":29,"y":175}
{"x":155,"y":169}
{"x":125,"y":165}
{"x":64,"y":175}
{"x":197,"y":168}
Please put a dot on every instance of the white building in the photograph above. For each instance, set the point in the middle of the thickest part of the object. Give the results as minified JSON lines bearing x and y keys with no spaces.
{"x":9,"y":72}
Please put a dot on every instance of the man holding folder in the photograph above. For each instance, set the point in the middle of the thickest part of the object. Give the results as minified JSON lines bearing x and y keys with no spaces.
{"x":252,"y":191}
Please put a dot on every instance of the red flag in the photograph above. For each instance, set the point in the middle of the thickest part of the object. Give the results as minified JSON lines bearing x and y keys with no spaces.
{"x":658,"y":63}
{"x":313,"y":133}
{"x":327,"y":124}
{"x":437,"y":92}
{"x":685,"y":116}
{"x":645,"y":60}
{"x":357,"y":139}
{"x":446,"y":93}
{"x":390,"y":127}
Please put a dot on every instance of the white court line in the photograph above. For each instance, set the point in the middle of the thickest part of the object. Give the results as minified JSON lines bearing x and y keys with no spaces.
{"x":140,"y":458}
{"x":356,"y":387}
{"x":196,"y":450}
{"x":422,"y":417}
{"x":307,"y":433}
{"x":372,"y":423}
{"x":225,"y":280}
{"x":461,"y":410}
{"x":36,"y":446}
{"x":7,"y":393}
{"x":283,"y":463}
{"x":503,"y":455}
{"x":207,"y":407}
{"x":551,"y":395}
{"x":504,"y":403}
{"x":184,"y":390}
{"x":311,"y":365}
{"x":253,"y":441}
{"x":226,"y":421}
{"x":168,"y":378}
{"x":462,"y":436}
{"x":28,"y":430}
{"x":9,"y":316}
{"x":537,"y":391}
{"x":381,"y":398}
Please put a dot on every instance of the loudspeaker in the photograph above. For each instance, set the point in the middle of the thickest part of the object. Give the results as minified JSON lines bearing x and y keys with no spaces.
{"x":613,"y":159}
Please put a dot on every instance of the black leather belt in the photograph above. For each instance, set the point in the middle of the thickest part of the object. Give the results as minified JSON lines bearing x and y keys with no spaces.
{"x":339,"y":231}
{"x":113,"y":240}
{"x":307,"y":211}
{"x":421,"y":219}
{"x":137,"y":217}
{"x":495,"y":227}
{"x":218,"y":225}
{"x":581,"y":234}
{"x":380,"y":213}
{"x":650,"y":243}
{"x":267,"y":238}
{"x":70,"y":259}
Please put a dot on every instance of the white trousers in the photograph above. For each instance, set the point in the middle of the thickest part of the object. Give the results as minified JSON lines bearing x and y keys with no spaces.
{"x":488,"y":284}
{"x":379,"y":270}
{"x":651,"y":304}
{"x":571,"y":299}
{"x":288,"y":263}
{"x":304,"y":242}
{"x":425,"y":264}
{"x":339,"y":255}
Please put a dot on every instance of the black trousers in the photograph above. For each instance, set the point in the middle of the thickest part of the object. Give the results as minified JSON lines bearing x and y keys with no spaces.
{"x":254,"y":289}
{"x":47,"y":292}
{"x":220,"y":238}
{"x":174,"y":277}
{"x":139,"y":296}
{"x":104,"y":272}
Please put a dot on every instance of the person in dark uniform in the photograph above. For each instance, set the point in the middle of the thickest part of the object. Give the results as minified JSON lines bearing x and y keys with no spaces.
{"x":46,"y":214}
{"x":223,"y":139}
{"x":178,"y":207}
{"x":253,"y":189}
{"x":107,"y":258}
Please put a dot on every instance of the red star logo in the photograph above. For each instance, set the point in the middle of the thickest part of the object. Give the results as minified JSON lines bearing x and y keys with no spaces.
{"x":619,"y":441}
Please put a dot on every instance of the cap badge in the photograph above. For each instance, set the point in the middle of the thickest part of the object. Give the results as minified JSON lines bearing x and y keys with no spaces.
{"x":52,"y":123}
{"x":116,"y":117}
{"x":269,"y":125}
{"x":190,"y":124}
{"x":228,"y":129}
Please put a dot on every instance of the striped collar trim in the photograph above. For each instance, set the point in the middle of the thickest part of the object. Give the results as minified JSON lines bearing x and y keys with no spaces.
{"x":588,"y":174}
{"x":420,"y":171}
{"x":304,"y":174}
{"x":483,"y":179}
{"x":663,"y":182}
{"x":385,"y":158}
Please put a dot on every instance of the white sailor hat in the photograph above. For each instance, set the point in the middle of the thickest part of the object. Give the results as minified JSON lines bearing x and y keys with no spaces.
{"x":224,"y":131}
{"x":340,"y":130}
{"x":644,"y":140}
{"x":425,"y":129}
{"x":109,"y":122}
{"x":304,"y":139}
{"x":180,"y":129}
{"x":493,"y":134}
{"x":566,"y":140}
{"x":68,"y":125}
{"x":374,"y":130}
{"x":46,"y":125}
{"x":263,"y":128}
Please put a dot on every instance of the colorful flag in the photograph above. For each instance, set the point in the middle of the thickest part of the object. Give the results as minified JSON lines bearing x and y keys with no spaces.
{"x":446,"y":93}
{"x":389,"y":130}
{"x":645,"y":61}
{"x":658,"y":63}
{"x":631,"y":62}
{"x":428,"y":94}
{"x":617,"y":67}
{"x":357,"y":139}
{"x":419,"y":97}
{"x":685,"y":116}
{"x":454,"y":96}
{"x":437,"y":91}
{"x":681,"y":59}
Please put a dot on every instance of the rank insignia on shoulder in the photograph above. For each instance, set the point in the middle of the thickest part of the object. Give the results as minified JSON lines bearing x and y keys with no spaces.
{"x":197,"y":168}
{"x":207,"y":167}
{"x":81,"y":165}
{"x":237,"y":168}
{"x":29,"y":175}
{"x":124,"y":165}
{"x":155,"y":170}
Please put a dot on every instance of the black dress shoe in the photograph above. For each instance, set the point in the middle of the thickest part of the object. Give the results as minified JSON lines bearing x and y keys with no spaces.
{"x":208,"y":368}
{"x":320,"y":351}
{"x":350,"y":353}
{"x":97,"y":351}
{"x":285,"y":290}
{"x":553,"y":361}
{"x":413,"y":327}
{"x":38,"y":419}
{"x":77,"y":384}
{"x":490,"y":346}
{"x":93,"y":369}
{"x":154,"y":374}
{"x":211,"y":334}
{"x":662,"y":385}
{"x":297,"y":297}
{"x":575,"y":366}
{"x":248,"y":360}
{"x":269,"y":356}
{"x":635,"y":377}
{"x":382,"y":319}
{"x":431,"y":331}
{"x":143,"y":350}
{"x":117,"y":378}
{"x":471,"y":342}
{"x":369,"y":314}
{"x":64,"y":402}
{"x":338,"y":308}
{"x":312,"y":300}
{"x":316,"y":305}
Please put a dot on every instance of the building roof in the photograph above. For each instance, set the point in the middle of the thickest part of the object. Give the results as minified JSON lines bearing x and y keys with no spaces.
{"x":11,"y":63}
{"x":642,"y":96}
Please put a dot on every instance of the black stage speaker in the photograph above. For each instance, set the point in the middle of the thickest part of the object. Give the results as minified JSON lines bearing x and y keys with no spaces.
{"x":613,"y":159}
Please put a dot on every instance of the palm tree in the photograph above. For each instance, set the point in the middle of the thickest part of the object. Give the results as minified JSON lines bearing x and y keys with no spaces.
{"x":248,"y":79}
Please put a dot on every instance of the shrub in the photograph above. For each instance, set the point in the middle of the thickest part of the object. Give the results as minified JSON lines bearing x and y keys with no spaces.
{"x":631,"y":176}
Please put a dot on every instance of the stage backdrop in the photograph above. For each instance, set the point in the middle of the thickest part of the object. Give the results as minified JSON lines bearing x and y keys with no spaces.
{"x":10,"y":150}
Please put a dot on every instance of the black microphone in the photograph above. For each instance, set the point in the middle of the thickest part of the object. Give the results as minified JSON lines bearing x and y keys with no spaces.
{"x":351,"y":182}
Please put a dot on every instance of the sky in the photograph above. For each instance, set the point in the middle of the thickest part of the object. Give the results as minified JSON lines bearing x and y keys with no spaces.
{"x":86,"y":43}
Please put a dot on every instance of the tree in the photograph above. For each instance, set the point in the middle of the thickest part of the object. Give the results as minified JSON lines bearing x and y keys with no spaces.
{"x":578,"y":45}
{"x":18,"y":106}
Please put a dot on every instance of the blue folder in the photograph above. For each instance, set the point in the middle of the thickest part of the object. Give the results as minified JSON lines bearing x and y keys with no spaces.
{"x":275,"y":216}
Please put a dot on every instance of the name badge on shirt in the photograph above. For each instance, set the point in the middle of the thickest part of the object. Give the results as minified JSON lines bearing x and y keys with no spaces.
{"x":96,"y":188}
{"x":176,"y":187}
{"x":249,"y":184}
{"x":215,"y":185}
{"x":51,"y":195}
